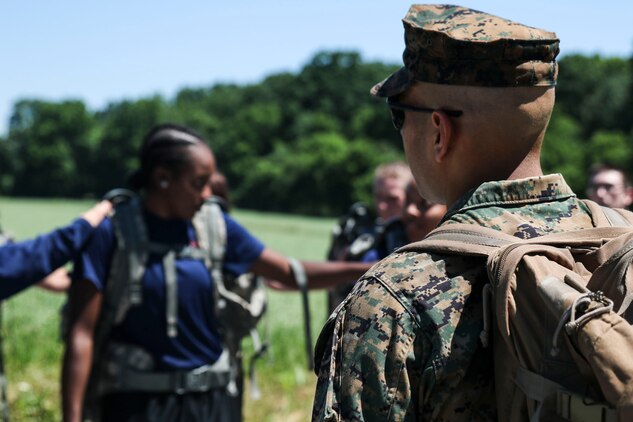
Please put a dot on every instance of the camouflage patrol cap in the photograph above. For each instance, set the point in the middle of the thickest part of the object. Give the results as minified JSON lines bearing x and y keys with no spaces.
{"x":454,"y":45}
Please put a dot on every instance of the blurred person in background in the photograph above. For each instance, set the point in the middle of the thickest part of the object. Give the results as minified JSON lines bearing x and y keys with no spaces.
{"x":417,"y":218}
{"x":390,"y":181}
{"x":359,"y":232}
{"x":610,"y":186}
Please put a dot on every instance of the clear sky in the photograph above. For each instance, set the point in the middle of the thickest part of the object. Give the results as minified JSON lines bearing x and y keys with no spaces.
{"x":112,"y":50}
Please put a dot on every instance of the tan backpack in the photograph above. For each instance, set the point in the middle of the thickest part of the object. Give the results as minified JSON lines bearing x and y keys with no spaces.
{"x":561,"y":316}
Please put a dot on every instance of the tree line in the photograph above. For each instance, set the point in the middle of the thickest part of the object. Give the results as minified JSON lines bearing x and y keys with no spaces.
{"x":304,"y":142}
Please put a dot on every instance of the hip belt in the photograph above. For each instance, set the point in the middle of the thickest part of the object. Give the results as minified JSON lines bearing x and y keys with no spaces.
{"x":121,"y":378}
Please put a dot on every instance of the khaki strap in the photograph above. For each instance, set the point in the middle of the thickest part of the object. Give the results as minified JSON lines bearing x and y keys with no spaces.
{"x":537,"y":388}
{"x":615,"y":218}
{"x":471,"y":239}
{"x":574,"y":408}
{"x":467,"y":239}
{"x":605,"y":216}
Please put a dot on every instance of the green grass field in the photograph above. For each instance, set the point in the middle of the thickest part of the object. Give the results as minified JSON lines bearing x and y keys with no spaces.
{"x":30,"y":323}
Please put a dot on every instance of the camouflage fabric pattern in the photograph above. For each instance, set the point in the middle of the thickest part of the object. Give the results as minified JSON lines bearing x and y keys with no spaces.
{"x":404,"y":345}
{"x":459,"y":46}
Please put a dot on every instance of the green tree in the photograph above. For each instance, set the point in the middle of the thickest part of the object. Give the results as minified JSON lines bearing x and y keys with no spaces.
{"x":298,"y":142}
{"x":48,"y":141}
{"x":321,"y":174}
{"x":338,"y":84}
{"x":610,"y":147}
{"x":595,"y":91}
{"x":564,"y":150}
{"x":119,"y":132}
{"x":7,"y":166}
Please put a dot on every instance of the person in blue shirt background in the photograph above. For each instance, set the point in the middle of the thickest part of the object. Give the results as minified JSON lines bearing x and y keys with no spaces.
{"x":25,"y":263}
{"x":176,"y":165}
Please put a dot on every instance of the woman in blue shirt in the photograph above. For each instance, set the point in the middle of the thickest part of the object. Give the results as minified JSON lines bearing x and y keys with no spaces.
{"x":174,"y":178}
{"x":25,"y":263}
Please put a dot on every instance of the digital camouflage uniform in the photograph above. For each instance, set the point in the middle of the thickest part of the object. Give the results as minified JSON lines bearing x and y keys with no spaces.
{"x":404,"y":345}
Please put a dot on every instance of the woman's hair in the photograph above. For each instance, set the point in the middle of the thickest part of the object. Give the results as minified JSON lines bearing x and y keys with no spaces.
{"x":165,"y":146}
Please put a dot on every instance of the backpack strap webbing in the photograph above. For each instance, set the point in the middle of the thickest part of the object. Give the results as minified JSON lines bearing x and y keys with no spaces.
{"x":462,"y":239}
{"x":474,"y":240}
{"x":211,"y":228}
{"x":605,"y":216}
{"x":211,"y":231}
{"x":302,"y":282}
{"x":122,"y":290}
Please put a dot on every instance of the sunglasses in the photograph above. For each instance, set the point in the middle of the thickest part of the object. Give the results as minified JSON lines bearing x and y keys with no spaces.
{"x":608,"y":187}
{"x":398,"y":109}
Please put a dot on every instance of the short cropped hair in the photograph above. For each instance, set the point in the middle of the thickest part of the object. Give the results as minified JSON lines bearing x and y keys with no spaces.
{"x":398,"y":170}
{"x":600,"y":167}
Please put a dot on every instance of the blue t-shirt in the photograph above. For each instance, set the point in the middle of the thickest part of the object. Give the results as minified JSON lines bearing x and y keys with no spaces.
{"x":25,"y":263}
{"x":372,"y":255}
{"x":198,"y":341}
{"x":389,"y":238}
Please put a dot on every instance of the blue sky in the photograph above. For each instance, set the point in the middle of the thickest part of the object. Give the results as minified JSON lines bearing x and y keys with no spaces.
{"x":108,"y":51}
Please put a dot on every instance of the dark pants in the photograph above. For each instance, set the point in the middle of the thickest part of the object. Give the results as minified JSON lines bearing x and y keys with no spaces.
{"x":213,"y":406}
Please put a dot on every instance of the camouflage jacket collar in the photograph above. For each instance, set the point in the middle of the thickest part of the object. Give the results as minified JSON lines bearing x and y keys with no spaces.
{"x":532,"y":190}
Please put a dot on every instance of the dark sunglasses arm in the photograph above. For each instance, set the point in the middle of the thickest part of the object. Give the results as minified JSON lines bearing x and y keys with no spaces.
{"x":406,"y":107}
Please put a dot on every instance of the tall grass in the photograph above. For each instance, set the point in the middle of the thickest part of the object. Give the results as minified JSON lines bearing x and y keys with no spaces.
{"x":30,"y":323}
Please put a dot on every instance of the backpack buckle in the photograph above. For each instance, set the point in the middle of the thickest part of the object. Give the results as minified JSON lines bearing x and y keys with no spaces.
{"x":194,"y":381}
{"x":199,"y":380}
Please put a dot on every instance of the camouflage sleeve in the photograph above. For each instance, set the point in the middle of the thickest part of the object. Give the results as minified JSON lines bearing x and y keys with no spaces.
{"x":364,"y":358}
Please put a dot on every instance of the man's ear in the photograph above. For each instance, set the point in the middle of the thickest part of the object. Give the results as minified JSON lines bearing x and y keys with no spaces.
{"x":444,"y":130}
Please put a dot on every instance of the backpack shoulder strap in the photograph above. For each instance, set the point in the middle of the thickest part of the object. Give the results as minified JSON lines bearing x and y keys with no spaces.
{"x":124,"y":286}
{"x":211,"y":232}
{"x":610,"y":217}
{"x":463,"y":239}
{"x":130,"y":257}
{"x":474,"y":240}
{"x":212,"y":237}
{"x":124,"y":283}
